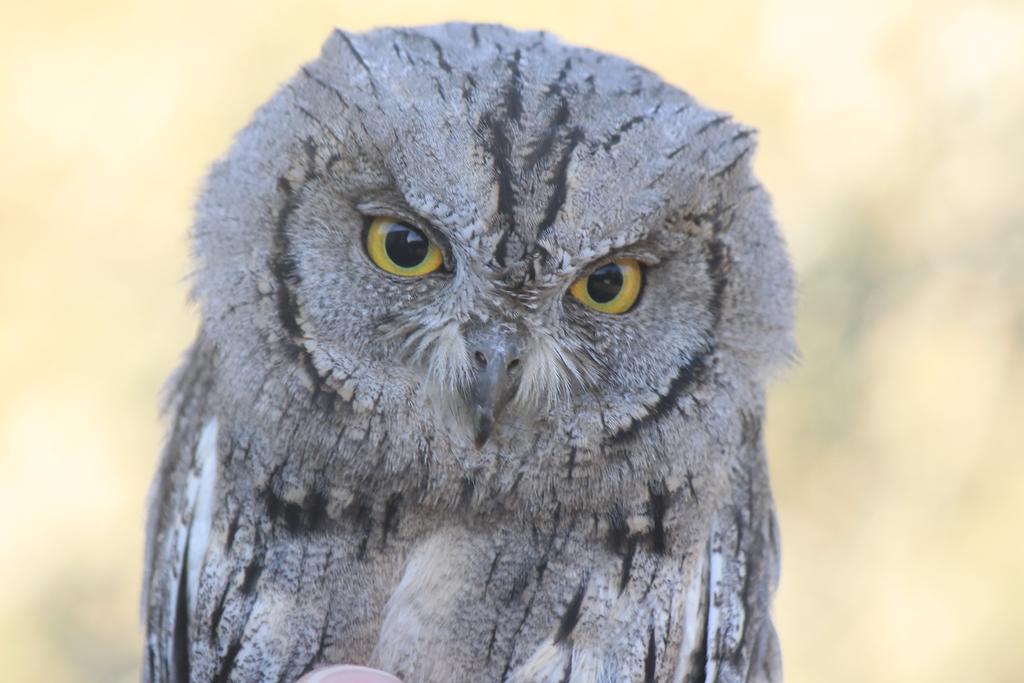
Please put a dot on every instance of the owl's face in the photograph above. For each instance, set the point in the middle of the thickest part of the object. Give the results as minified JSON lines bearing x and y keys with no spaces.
{"x":490,"y":240}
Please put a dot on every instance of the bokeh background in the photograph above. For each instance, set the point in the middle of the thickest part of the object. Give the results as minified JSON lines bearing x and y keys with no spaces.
{"x":892,"y":138}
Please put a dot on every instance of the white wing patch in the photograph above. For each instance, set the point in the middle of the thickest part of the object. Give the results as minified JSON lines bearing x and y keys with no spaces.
{"x":185,"y":550}
{"x":199,"y":496}
{"x":694,"y":605}
{"x":715,"y":612}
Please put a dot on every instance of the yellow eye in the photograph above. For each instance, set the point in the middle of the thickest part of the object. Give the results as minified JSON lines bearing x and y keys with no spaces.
{"x":401,"y":249}
{"x":612,"y":288}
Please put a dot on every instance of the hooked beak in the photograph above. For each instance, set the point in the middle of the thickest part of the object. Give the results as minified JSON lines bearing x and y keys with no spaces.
{"x":498,"y":366}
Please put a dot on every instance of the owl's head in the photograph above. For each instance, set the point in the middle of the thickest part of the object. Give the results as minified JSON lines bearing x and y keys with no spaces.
{"x":487,"y":255}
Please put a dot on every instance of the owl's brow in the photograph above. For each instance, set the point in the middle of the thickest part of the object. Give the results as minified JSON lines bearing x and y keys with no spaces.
{"x":499,"y":147}
{"x":560,"y":126}
{"x":560,"y":184}
{"x":499,"y":124}
{"x":661,"y":238}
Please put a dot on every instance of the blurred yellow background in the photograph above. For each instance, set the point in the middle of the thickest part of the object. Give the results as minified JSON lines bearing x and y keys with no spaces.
{"x":892,"y":138}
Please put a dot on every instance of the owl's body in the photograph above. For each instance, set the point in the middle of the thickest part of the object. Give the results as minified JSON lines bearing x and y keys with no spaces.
{"x":470,"y":475}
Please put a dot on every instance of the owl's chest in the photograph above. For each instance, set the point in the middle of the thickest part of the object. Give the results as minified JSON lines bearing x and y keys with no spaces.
{"x":434,"y":598}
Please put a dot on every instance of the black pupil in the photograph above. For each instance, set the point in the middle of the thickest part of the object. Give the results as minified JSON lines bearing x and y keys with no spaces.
{"x":406,"y":246}
{"x":605,"y":283}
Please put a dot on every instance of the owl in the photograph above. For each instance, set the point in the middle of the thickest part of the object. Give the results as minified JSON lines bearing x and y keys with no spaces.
{"x":478,"y":388}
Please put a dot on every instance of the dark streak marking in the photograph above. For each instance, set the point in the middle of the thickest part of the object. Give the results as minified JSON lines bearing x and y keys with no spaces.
{"x":616,"y":137}
{"x":323,"y":126}
{"x":315,"y":510}
{"x":717,"y":263}
{"x":657,"y":512}
{"x":466,"y":490}
{"x":515,"y":635}
{"x":289,"y":513}
{"x":654,"y":576}
{"x":500,"y":149}
{"x":572,"y":462}
{"x":560,"y":193}
{"x":475,"y":35}
{"x":468,"y":87}
{"x":617,"y":530}
{"x":440,"y":90}
{"x":513,"y":93}
{"x":725,"y":170}
{"x":325,"y":85}
{"x":307,"y":517}
{"x":232,"y":530}
{"x":217,"y":615}
{"x":690,"y":486}
{"x":627,"y":564}
{"x":717,"y":121}
{"x":490,"y":572}
{"x":650,"y":659}
{"x":390,"y":523}
{"x":251,"y":576}
{"x":359,"y":57}
{"x":283,"y":269}
{"x":361,"y":552}
{"x":745,"y":590}
{"x":677,"y":150}
{"x":490,"y":643}
{"x":542,"y":148}
{"x":360,"y":514}
{"x":572,"y":613}
{"x":321,"y":647}
{"x":180,"y":644}
{"x":441,"y":61}
{"x":515,"y":482}
{"x":750,"y":429}
{"x":282,"y":265}
{"x":541,"y":567}
{"x":567,"y":673}
{"x":227,"y":662}
{"x":697,"y":669}
{"x":564,"y":71}
{"x":688,"y":374}
{"x":742,"y":134}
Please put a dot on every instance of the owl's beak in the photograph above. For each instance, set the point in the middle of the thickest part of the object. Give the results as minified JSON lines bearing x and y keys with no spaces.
{"x":498,"y":366}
